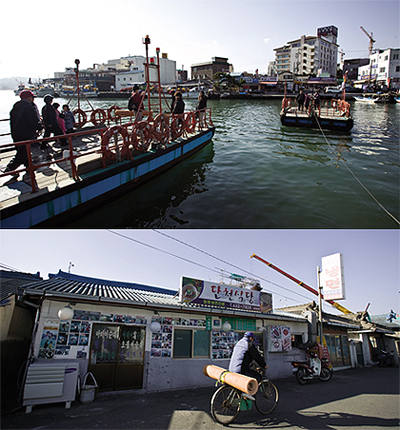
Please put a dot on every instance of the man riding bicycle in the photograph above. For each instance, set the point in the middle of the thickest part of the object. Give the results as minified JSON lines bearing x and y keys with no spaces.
{"x":243,"y":355}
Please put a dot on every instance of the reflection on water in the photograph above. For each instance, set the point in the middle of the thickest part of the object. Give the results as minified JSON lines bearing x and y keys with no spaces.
{"x":258,"y":174}
{"x":156,"y":204}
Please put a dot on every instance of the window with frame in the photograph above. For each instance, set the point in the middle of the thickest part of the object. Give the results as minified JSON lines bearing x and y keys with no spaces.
{"x":191,"y":343}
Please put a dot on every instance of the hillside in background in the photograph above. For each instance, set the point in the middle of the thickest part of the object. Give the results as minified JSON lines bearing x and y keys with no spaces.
{"x":11,"y":83}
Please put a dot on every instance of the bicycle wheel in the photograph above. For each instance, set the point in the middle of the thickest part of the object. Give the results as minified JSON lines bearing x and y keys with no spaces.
{"x":266,"y":397}
{"x":225,"y":404}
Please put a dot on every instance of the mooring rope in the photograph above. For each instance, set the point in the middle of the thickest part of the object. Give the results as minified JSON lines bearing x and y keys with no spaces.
{"x":354,"y":176}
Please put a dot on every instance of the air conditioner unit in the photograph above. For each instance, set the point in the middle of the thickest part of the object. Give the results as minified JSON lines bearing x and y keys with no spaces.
{"x":51,"y":383}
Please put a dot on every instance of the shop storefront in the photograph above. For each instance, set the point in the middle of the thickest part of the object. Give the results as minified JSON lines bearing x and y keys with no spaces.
{"x":153,"y":340}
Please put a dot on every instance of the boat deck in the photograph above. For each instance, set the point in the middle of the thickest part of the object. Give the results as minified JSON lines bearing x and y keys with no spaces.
{"x":54,"y":171}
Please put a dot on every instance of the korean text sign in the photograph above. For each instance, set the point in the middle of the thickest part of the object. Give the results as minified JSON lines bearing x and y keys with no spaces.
{"x":332,"y":277}
{"x":224,"y":296}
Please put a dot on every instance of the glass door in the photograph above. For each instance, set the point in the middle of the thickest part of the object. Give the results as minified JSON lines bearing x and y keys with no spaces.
{"x":117,"y":356}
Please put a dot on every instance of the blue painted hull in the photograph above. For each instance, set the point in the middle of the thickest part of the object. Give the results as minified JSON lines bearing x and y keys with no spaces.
{"x":53,"y":208}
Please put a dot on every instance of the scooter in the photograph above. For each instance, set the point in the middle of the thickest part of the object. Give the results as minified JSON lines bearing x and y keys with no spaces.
{"x":385,"y":358}
{"x":314,"y":368}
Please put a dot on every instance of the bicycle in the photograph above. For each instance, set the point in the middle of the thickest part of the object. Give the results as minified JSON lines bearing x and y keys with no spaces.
{"x":226,"y":401}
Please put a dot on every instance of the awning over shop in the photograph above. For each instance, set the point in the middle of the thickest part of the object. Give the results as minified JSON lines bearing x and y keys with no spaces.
{"x":321,"y":82}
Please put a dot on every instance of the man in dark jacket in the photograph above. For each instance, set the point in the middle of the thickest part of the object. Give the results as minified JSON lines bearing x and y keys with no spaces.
{"x":243,"y":355}
{"x":50,"y":121}
{"x":300,"y":100}
{"x":24,"y":123}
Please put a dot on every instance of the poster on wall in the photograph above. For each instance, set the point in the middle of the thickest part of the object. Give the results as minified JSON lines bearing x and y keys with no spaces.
{"x":48,"y":339}
{"x":279,"y":339}
{"x":161,"y":342}
{"x":224,"y":296}
{"x":222,"y":343}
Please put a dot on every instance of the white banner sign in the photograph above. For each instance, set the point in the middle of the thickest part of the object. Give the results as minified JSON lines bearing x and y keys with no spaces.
{"x":332,"y":277}
{"x":224,"y":296}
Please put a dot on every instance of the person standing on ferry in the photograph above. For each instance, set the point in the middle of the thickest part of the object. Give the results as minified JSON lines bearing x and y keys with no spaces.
{"x":24,"y":124}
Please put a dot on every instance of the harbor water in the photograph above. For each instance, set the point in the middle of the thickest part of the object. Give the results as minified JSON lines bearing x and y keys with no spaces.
{"x":259,"y":174}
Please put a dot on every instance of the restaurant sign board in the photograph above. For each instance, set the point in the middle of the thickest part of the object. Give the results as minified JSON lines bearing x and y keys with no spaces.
{"x":224,"y":296}
{"x":332,"y":277}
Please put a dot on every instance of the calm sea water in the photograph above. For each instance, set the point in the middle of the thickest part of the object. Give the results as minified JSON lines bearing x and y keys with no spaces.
{"x":258,"y":174}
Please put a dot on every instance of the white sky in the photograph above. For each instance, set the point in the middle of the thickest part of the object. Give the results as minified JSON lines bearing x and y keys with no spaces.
{"x":371,"y":259}
{"x":43,"y":36}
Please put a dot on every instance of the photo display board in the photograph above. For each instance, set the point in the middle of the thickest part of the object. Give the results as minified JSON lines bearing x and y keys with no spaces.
{"x":61,"y":339}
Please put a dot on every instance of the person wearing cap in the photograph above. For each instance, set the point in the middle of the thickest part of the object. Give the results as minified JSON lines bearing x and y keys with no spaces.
{"x":51,"y":125}
{"x":24,"y":124}
{"x":243,"y":355}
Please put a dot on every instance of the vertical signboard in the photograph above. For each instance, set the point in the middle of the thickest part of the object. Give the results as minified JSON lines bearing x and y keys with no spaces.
{"x":332,"y":277}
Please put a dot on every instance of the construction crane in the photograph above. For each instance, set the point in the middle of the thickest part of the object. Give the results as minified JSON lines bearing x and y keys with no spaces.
{"x":371,"y":40}
{"x":371,"y":46}
{"x":302,"y":284}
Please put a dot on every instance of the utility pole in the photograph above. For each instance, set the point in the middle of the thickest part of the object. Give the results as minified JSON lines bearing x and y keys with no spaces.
{"x":319,"y":305}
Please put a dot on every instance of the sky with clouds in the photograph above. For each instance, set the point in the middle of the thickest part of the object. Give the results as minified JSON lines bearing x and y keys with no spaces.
{"x":42,"y":37}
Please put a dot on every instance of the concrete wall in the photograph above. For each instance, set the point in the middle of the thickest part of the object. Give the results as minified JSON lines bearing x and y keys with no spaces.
{"x":163,"y":373}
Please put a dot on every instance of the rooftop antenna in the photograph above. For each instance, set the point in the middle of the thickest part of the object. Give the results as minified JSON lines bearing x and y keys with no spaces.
{"x":69,"y":267}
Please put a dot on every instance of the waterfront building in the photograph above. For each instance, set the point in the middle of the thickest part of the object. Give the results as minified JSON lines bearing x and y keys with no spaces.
{"x":208,"y":69}
{"x":382,"y":70}
{"x":310,"y":55}
{"x":351,"y":66}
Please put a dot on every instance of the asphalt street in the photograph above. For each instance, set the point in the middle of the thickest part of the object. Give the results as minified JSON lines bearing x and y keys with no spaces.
{"x":361,"y":398}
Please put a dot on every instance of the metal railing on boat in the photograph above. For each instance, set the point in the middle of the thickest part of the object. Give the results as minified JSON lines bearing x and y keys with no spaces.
{"x":129,"y":138}
{"x":328,"y":108}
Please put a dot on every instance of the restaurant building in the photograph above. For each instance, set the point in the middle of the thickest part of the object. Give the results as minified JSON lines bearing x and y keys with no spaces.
{"x":133,"y":336}
{"x":147,"y":338}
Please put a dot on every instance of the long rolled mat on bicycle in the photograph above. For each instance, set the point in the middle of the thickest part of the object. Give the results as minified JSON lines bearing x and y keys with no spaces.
{"x":241,"y":382}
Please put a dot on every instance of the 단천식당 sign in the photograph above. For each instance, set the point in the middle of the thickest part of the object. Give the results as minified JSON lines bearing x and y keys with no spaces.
{"x":332,"y":281}
{"x":224,"y":296}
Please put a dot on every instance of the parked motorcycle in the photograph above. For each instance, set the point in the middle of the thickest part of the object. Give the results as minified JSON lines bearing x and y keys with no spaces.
{"x":314,"y":368}
{"x":385,"y":358}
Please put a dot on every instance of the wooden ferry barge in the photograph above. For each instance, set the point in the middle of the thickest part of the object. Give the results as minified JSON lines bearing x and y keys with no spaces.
{"x":330,"y":114}
{"x":118,"y":152}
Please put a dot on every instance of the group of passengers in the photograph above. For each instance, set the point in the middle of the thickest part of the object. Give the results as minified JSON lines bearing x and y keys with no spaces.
{"x":305,"y":100}
{"x":26,"y":123}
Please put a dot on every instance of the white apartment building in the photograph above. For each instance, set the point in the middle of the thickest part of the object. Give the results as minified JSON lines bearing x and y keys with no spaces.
{"x":310,"y":54}
{"x":384,"y":65}
{"x":136,"y":72}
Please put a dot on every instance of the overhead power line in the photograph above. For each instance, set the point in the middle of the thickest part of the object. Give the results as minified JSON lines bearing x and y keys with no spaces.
{"x":6,"y":266}
{"x":201,"y":265}
{"x":230,"y":264}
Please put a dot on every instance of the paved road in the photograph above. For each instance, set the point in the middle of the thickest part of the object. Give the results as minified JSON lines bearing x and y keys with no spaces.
{"x":356,"y":398}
